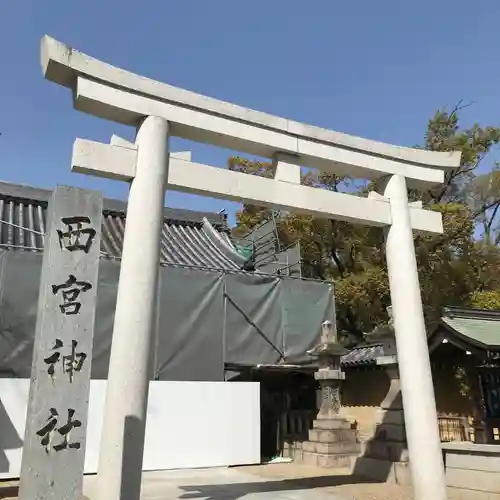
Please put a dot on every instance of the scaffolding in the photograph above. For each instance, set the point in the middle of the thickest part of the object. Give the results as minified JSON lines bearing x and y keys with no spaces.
{"x":268,"y":253}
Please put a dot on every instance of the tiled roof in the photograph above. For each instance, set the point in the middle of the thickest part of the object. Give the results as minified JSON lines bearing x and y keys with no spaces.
{"x":476,"y":328}
{"x":367,"y":355}
{"x":184,"y":240}
{"x":363,"y":355}
{"x":479,"y":326}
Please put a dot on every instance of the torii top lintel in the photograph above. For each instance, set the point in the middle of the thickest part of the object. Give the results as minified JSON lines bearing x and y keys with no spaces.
{"x":113,"y":93}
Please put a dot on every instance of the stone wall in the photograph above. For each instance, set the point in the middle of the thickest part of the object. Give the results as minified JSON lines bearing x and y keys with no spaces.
{"x":364,"y":390}
{"x":472,"y":470}
{"x":385,"y":455}
{"x":362,"y":394}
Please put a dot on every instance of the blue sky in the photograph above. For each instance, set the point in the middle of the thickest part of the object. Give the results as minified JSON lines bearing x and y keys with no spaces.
{"x":373,"y":69}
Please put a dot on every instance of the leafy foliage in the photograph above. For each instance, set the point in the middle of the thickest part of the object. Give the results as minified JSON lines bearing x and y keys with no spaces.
{"x":488,"y":299}
{"x":459,"y":267}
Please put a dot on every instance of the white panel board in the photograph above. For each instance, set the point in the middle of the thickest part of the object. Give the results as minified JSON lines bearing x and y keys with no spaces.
{"x":189,"y":424}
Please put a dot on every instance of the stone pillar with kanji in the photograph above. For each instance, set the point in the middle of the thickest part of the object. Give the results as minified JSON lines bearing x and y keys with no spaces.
{"x":332,"y":440}
{"x":56,"y":424}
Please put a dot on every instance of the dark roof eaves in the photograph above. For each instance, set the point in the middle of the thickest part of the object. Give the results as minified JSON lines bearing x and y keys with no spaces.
{"x":465,"y":340}
{"x":22,"y":192}
{"x":471,"y":313}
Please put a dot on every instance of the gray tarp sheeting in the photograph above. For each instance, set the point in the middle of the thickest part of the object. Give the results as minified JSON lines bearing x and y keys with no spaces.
{"x":205,"y":318}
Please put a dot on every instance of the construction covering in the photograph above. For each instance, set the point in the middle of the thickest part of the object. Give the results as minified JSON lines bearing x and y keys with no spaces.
{"x":205,"y":318}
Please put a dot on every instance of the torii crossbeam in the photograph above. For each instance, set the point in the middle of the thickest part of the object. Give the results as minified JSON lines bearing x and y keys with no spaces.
{"x":158,"y":111}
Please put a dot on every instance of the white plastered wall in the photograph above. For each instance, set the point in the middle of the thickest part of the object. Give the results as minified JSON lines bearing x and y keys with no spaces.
{"x":189,"y":425}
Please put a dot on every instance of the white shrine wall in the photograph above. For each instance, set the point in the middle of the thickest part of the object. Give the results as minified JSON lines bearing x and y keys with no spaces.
{"x":189,"y":425}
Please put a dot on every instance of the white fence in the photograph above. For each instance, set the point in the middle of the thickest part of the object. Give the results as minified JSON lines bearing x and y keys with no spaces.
{"x":189,"y":425}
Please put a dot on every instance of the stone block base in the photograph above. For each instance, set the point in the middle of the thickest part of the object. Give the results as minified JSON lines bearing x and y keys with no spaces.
{"x":332,"y":444}
{"x":390,"y":432}
{"x":385,"y":457}
{"x":293,"y":450}
{"x":332,"y":424}
{"x":383,"y":470}
{"x":392,"y":451}
{"x":388,"y":416}
{"x":337,"y":436}
{"x":332,"y":448}
{"x":306,"y":453}
{"x":326,"y":461}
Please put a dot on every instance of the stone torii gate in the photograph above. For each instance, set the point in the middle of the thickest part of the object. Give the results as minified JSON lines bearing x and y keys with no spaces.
{"x":158,"y":111}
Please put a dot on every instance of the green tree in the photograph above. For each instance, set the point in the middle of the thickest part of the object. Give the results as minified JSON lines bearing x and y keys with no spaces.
{"x":250,"y":215}
{"x":489,"y":299}
{"x":459,"y":267}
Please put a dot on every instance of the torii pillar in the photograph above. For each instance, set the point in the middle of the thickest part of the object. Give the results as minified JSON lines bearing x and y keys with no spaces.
{"x":417,"y":389}
{"x":159,"y":110}
{"x":130,"y":369}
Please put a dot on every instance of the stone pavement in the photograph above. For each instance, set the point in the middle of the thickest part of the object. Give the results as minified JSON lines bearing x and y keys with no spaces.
{"x":265,"y":482}
{"x":221,"y":484}
{"x":330,"y":483}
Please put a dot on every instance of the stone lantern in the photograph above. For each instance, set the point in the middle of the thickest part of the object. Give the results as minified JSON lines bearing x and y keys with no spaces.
{"x":329,"y":374}
{"x":332,"y":440}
